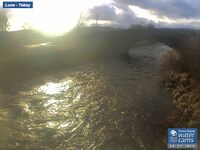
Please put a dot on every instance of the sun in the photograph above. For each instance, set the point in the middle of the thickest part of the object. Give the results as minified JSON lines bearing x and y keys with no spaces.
{"x":52,"y":17}
{"x":56,"y":17}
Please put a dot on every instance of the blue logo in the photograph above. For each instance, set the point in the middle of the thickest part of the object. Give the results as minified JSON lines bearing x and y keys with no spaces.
{"x":182,"y":138}
{"x":17,"y":4}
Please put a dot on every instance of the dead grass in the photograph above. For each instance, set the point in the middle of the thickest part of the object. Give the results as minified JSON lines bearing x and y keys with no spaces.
{"x":191,"y":55}
{"x":181,"y":76}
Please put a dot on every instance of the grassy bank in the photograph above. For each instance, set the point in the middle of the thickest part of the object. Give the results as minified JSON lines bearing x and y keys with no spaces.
{"x":181,"y":76}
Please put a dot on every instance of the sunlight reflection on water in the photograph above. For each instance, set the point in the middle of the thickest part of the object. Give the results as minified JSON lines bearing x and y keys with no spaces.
{"x":68,"y":110}
{"x":51,"y":105}
{"x":52,"y":101}
{"x":38,"y":45}
{"x":55,"y":88}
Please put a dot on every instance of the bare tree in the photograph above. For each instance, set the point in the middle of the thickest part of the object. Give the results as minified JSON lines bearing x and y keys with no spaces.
{"x":82,"y":21}
{"x":4,"y":25}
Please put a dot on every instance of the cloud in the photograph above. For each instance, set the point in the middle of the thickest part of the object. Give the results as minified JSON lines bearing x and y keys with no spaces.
{"x":104,"y":12}
{"x":168,"y":8}
{"x":119,"y":15}
{"x":170,"y":13}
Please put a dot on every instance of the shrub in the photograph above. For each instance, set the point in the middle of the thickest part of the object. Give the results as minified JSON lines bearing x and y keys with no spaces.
{"x":171,"y":63}
{"x":181,"y":76}
{"x":190,"y":55}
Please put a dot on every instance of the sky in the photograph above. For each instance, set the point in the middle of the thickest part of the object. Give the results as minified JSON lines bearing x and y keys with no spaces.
{"x":162,"y":13}
{"x":59,"y":15}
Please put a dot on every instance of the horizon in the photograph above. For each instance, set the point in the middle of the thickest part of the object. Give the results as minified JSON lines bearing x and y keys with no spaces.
{"x":114,"y":13}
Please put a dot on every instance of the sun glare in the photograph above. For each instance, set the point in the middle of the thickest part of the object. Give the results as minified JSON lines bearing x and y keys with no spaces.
{"x":52,"y":17}
{"x":56,"y":17}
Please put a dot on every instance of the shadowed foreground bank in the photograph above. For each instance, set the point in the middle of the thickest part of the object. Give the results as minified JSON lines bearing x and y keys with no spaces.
{"x":110,"y":104}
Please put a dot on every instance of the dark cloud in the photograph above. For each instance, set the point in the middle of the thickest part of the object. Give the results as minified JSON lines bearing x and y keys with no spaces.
{"x":168,"y":8}
{"x":172,"y":9}
{"x":109,"y":13}
{"x":104,"y":12}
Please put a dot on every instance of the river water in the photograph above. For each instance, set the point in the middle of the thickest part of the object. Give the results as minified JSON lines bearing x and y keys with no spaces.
{"x":106,"y":105}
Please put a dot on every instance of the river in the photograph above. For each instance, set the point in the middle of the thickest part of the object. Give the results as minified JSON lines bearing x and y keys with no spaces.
{"x":108,"y":105}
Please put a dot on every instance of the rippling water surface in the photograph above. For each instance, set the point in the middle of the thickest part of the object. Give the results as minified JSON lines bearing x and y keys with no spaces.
{"x":101,"y":105}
